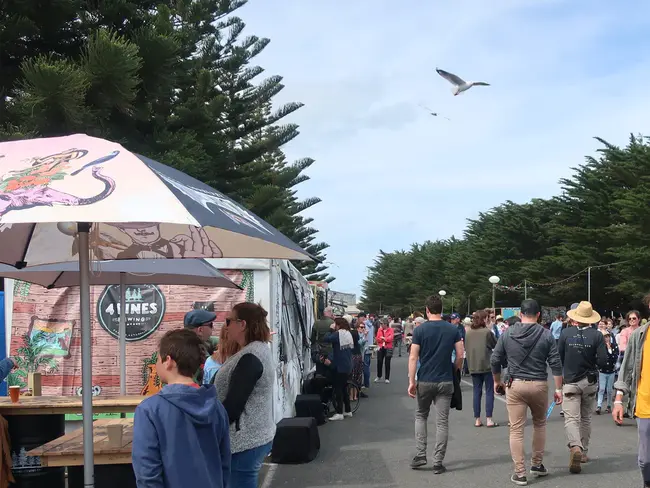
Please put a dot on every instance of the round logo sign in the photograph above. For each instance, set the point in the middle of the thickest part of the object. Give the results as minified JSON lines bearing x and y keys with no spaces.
{"x":145,"y":307}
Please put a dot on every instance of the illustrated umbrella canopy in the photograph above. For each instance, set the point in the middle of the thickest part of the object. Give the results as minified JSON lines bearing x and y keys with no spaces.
{"x":125,"y":272}
{"x":81,"y":198}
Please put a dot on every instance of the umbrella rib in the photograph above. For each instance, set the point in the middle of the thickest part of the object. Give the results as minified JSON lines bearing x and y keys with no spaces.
{"x":21,"y":264}
{"x":56,"y":279}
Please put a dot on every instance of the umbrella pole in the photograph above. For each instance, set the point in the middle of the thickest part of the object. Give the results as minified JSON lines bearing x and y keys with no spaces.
{"x":86,"y":356}
{"x":122,"y":333}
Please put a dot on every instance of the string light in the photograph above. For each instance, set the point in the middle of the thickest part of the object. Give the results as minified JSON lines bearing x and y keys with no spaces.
{"x":530,"y":285}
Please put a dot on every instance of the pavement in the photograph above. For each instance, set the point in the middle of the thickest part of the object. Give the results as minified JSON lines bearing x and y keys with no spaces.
{"x":374,"y":448}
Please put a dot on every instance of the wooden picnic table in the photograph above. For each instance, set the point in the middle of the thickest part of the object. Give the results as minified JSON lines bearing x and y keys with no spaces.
{"x":60,"y":405}
{"x":68,"y":450}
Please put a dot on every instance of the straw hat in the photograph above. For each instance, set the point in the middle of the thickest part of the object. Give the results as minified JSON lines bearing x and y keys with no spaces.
{"x":584,"y":314}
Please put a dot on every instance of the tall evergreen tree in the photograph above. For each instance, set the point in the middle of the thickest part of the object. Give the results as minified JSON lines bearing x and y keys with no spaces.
{"x":171,"y":79}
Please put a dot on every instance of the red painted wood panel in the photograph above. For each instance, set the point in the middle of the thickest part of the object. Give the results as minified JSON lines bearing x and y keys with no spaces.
{"x":63,"y":304}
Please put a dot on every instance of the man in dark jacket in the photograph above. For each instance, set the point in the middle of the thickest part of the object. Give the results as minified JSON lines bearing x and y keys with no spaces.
{"x":528,"y":348}
{"x":582,"y":351}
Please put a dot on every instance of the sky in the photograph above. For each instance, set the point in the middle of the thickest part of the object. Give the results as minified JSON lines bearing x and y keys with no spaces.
{"x":388,"y":173}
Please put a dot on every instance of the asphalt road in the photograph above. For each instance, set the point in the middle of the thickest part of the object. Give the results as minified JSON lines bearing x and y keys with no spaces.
{"x":374,"y":448}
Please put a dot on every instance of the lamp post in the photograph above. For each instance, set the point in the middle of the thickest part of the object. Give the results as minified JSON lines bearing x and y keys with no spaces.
{"x":442,"y":294}
{"x":494,"y":280}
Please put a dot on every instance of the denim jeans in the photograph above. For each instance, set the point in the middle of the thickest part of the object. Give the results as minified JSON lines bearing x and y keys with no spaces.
{"x":245,"y":466}
{"x":479,"y":380}
{"x":397,"y":345}
{"x":440,"y":395}
{"x":605,"y":386}
{"x":644,"y":449}
{"x":366,"y":369}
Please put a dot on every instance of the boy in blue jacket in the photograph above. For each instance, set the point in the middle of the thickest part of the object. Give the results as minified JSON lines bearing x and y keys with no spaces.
{"x":181,"y":435}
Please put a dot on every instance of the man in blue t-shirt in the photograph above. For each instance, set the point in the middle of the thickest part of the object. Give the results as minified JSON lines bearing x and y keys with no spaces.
{"x":433,"y":343}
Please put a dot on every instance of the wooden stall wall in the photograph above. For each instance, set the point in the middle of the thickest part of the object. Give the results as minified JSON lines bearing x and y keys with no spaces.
{"x":45,"y":333}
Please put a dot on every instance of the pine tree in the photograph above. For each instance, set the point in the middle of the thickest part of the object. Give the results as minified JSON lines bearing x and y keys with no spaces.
{"x":171,"y":79}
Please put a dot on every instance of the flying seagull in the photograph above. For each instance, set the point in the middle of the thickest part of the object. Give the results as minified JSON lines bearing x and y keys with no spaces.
{"x":460,"y":85}
{"x":431,"y":112}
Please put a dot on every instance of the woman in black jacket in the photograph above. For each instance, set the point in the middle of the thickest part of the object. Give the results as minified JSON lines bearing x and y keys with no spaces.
{"x":607,"y":374}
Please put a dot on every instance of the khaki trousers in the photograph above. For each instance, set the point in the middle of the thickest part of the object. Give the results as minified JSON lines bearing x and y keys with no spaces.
{"x":578,"y":406}
{"x":520,"y":397}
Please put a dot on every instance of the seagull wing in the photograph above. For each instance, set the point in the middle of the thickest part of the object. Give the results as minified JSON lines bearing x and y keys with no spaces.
{"x":426,"y":108}
{"x":451,"y":78}
{"x":480,"y":83}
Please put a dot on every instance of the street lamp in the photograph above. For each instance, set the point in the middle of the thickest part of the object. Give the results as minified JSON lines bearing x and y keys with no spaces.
{"x":442,"y":294}
{"x":494,"y":280}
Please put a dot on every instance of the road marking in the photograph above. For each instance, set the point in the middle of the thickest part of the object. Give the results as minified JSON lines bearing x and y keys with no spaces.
{"x":268,"y":479}
{"x":497,"y":397}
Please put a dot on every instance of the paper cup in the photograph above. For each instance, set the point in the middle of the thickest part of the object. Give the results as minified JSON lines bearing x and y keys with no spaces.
{"x":14,"y":393}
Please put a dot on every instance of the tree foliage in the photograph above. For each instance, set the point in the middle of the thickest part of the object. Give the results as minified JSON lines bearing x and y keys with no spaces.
{"x":174,"y":80}
{"x":599,"y":219}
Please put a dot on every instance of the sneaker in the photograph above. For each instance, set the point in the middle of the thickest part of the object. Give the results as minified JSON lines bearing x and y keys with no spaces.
{"x":539,"y":471}
{"x":519,"y":480}
{"x":418,"y":461}
{"x":598,"y":409}
{"x":387,"y":381}
{"x":337,"y":416}
{"x":575,"y":460}
{"x":609,"y":410}
{"x":439,"y":469}
{"x":585,"y":458}
{"x":362,"y":395}
{"x":377,"y":380}
{"x":562,"y":414}
{"x":347,"y":414}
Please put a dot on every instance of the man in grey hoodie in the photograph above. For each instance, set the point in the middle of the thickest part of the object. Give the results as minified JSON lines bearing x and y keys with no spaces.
{"x":527,"y":347}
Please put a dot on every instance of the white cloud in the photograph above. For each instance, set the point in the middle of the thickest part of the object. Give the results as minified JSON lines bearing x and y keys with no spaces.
{"x":389,"y":174}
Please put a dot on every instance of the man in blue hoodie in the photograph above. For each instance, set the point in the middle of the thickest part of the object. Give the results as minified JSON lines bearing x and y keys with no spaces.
{"x":181,"y":435}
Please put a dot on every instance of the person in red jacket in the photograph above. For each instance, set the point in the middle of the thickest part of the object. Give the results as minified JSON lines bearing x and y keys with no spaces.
{"x":385,"y":337}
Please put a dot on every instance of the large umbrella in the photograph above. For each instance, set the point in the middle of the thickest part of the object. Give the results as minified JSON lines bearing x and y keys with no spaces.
{"x":124,"y":272}
{"x":63,"y":198}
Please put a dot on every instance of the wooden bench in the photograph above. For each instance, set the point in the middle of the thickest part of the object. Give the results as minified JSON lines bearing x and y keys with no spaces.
{"x":68,"y":449}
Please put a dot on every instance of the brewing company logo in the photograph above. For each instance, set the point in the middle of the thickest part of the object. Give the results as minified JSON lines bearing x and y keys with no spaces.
{"x":145,"y":307}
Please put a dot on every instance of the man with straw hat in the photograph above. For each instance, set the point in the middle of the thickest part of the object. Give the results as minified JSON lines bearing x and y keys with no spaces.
{"x":583,"y":352}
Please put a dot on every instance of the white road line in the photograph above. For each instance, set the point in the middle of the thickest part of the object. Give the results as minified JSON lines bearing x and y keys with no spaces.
{"x":268,"y":479}
{"x":497,"y":397}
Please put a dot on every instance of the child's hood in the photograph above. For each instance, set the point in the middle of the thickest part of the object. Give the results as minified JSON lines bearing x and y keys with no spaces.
{"x":199,"y":404}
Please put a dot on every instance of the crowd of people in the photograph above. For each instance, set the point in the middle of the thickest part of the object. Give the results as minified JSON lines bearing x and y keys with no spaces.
{"x":512,"y":358}
{"x":216,"y":402}
{"x":216,"y":405}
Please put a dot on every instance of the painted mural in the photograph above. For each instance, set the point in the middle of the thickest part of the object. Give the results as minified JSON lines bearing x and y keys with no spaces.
{"x":46,"y":335}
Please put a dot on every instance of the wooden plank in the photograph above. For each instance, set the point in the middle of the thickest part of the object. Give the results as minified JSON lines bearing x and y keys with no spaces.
{"x":55,"y":405}
{"x":67,"y":450}
{"x":78,"y":460}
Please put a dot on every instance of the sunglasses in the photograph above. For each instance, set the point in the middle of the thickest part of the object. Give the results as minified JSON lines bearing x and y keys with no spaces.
{"x":232,"y":320}
{"x":633,"y":318}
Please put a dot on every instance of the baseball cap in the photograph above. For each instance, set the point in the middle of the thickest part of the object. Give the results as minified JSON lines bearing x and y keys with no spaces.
{"x":419,"y":320}
{"x":530,"y":307}
{"x":196,"y":318}
{"x":574,"y":306}
{"x":454,"y":316}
